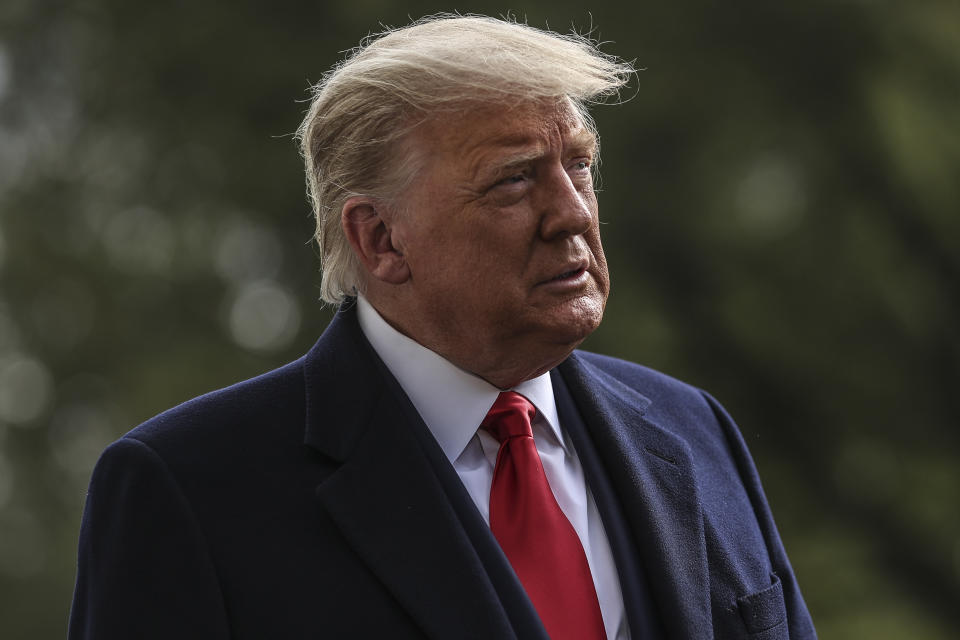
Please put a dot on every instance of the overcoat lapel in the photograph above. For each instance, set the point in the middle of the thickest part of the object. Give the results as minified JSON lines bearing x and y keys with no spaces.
{"x":652,"y":471}
{"x":386,"y":499}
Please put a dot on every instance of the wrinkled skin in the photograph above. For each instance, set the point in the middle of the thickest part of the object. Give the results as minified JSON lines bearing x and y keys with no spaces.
{"x":493,"y":259}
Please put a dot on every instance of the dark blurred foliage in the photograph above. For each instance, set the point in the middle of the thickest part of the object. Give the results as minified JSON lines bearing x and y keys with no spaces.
{"x":780,"y":200}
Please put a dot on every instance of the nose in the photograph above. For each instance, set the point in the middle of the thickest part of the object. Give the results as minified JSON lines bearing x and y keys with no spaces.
{"x":566,"y":210}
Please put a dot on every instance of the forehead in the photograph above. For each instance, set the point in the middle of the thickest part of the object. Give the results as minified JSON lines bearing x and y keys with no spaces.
{"x":476,"y":132}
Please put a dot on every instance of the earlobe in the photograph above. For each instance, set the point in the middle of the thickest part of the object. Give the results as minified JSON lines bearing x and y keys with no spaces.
{"x":370,"y":233}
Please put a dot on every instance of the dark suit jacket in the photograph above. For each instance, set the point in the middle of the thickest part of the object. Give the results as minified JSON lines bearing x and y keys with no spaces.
{"x":312,"y":502}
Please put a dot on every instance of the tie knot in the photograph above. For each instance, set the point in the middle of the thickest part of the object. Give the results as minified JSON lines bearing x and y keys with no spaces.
{"x":511,"y":415}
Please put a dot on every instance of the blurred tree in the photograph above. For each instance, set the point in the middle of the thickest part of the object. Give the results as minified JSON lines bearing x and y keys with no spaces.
{"x":780,"y":207}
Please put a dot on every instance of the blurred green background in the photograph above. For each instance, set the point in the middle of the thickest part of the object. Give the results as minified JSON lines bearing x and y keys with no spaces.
{"x":780,"y":205}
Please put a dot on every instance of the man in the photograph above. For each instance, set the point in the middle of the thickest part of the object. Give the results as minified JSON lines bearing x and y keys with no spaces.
{"x":442,"y":463}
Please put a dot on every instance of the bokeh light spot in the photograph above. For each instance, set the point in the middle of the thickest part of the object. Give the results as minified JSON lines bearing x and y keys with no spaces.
{"x":245,"y":252}
{"x":771,"y":197}
{"x":25,"y":389}
{"x":263,"y":316}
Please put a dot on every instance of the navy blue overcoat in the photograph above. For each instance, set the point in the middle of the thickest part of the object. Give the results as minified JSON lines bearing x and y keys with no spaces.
{"x":311,"y":502}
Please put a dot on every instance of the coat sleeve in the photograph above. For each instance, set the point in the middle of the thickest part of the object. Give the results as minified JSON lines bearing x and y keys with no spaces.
{"x":144,"y":570}
{"x":798,"y":617}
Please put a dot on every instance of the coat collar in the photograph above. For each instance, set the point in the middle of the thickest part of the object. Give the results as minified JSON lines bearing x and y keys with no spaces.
{"x":652,"y":471}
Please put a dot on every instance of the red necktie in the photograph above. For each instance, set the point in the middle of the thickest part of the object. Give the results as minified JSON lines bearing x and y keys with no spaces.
{"x":533,"y":532}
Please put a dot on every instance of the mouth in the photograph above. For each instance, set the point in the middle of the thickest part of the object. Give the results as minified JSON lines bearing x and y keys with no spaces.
{"x":572,"y":272}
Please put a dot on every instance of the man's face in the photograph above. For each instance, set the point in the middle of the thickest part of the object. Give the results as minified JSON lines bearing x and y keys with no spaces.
{"x":501,"y":236}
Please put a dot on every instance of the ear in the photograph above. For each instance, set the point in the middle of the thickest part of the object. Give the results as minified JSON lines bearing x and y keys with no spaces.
{"x":368,"y":230}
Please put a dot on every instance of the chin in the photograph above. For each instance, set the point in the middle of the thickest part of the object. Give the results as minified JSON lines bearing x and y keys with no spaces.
{"x":573,"y":328}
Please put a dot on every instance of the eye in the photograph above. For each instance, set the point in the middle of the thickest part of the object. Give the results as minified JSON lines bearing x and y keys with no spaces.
{"x":515,"y":179}
{"x":509,"y":190}
{"x":583,"y":164}
{"x":580,"y":172}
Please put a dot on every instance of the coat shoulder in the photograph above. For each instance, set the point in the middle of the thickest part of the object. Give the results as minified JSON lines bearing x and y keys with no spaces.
{"x":247,"y":414}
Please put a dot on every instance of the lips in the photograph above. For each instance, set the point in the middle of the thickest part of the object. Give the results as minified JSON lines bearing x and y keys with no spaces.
{"x":569,"y":271}
{"x":567,"y":274}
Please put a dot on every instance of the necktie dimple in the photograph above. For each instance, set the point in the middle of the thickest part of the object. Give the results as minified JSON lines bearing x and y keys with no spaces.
{"x":538,"y":540}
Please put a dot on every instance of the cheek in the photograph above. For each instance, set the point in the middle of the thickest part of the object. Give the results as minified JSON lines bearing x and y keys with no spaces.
{"x":600,"y":256}
{"x":497,"y":250}
{"x":596,"y":246}
{"x":472,"y":272}
{"x":602,"y":273}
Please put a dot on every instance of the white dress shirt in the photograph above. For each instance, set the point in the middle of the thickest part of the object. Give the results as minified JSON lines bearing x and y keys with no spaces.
{"x":453,"y":403}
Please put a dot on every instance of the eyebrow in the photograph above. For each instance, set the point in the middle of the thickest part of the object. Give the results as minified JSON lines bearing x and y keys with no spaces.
{"x":492,"y":162}
{"x":584,"y":138}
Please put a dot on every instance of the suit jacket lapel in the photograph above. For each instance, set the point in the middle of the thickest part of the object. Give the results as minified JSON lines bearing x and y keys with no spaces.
{"x":652,"y":471}
{"x":386,"y":498}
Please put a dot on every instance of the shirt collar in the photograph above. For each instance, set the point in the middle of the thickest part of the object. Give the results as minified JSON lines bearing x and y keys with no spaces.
{"x":451,"y":401}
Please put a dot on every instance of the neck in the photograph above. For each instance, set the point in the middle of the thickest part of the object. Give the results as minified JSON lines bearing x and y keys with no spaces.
{"x":504,"y":364}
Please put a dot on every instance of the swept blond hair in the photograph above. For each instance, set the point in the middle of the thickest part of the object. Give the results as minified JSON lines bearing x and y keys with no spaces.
{"x":364,"y":107}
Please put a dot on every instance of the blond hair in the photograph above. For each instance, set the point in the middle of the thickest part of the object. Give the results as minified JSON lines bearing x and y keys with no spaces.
{"x":364,"y":107}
